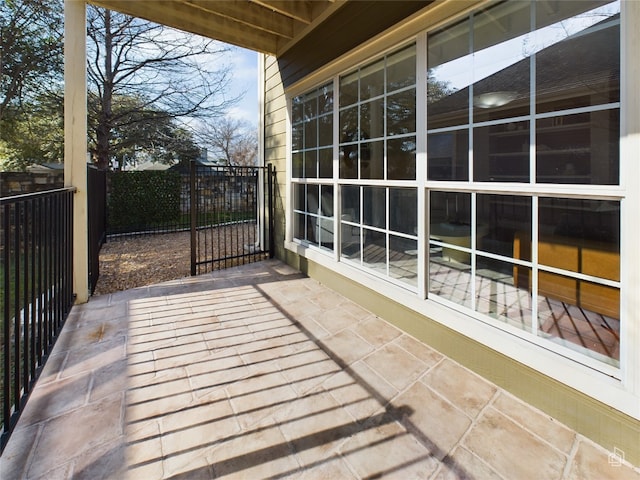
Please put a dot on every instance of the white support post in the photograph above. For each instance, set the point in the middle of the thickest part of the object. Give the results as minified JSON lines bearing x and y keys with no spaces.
{"x":75,"y":137}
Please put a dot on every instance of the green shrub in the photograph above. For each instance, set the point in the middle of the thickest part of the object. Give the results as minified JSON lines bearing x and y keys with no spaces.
{"x":143,"y":200}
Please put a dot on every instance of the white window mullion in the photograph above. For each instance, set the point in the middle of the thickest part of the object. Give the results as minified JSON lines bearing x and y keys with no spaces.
{"x":421,"y":165}
{"x":473,"y":250}
{"x":337,"y":193}
{"x":534,"y":265}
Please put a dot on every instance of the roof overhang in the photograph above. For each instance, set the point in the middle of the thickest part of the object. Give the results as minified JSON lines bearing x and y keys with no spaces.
{"x":267,"y":26}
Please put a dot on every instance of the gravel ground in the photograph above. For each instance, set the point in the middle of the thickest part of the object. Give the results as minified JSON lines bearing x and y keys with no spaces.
{"x":145,"y":260}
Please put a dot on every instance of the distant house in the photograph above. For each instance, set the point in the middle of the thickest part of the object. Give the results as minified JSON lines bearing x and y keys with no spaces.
{"x":202,"y":165}
{"x":149,"y":165}
{"x":45,"y":167}
{"x":468,"y":171}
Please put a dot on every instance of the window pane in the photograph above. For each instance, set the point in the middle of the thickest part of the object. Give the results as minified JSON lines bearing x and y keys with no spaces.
{"x":350,"y":247}
{"x":375,"y":206}
{"x":501,"y":153}
{"x":449,"y":207}
{"x":450,"y":218}
{"x":325,"y":130}
{"x":401,"y":69}
{"x":372,"y":160}
{"x":296,"y":165}
{"x":450,"y":280}
{"x":349,"y":161}
{"x":349,"y":89}
{"x":299,"y":226}
{"x":349,"y":125}
{"x":498,"y":297}
{"x":296,"y":109}
{"x":313,"y":199}
{"x":372,"y":119}
{"x":374,"y":253}
{"x":325,"y":158}
{"x":401,"y":158}
{"x":403,"y":259}
{"x":324,"y":225}
{"x":401,"y":113}
{"x":300,"y":197}
{"x":403,"y":210}
{"x":580,"y":236}
{"x":578,"y":62}
{"x":500,"y":61}
{"x":325,"y":99}
{"x":311,"y":106}
{"x":372,"y":80}
{"x":581,"y":148}
{"x":449,"y":74}
{"x":580,"y":315}
{"x":503,"y":223}
{"x":350,"y":208}
{"x":297,"y":134}
{"x":311,"y":133}
{"x":311,"y":164}
{"x":326,"y":200}
{"x":448,"y":155}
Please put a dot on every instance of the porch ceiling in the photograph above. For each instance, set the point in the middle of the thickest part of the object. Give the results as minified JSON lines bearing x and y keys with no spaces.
{"x":268,"y":26}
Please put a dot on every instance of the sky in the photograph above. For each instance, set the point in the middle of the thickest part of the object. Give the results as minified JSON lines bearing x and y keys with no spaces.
{"x":244,"y":64}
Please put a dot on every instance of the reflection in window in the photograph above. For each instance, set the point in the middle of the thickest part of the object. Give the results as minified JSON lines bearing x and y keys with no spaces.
{"x":448,"y":154}
{"x":522,"y":104}
{"x":501,"y":152}
{"x":500,"y":220}
{"x":311,"y":157}
{"x":385,"y":238}
{"x":488,"y":58}
{"x":378,"y":119}
{"x":498,"y":297}
{"x":579,"y":148}
{"x":482,"y":74}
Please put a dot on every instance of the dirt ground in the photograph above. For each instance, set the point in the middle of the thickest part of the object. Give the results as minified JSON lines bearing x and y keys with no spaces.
{"x":131,"y":262}
{"x":134,"y":262}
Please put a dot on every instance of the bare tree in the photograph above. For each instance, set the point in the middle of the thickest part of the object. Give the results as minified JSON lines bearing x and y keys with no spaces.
{"x":235,"y":142}
{"x":170,"y":73}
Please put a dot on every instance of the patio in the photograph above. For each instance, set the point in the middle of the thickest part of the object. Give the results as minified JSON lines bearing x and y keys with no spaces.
{"x":261,"y":372}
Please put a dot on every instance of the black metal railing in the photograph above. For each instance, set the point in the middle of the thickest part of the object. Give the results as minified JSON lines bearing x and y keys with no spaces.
{"x":97,"y":218}
{"x":231,"y":216}
{"x":36,"y":272}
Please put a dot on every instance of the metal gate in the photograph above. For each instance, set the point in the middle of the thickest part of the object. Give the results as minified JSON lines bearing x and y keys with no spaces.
{"x":231,"y":216}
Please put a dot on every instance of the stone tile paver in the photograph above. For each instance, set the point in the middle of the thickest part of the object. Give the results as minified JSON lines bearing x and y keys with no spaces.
{"x":396,"y":366}
{"x":440,"y":424}
{"x":511,"y":450}
{"x":544,"y":426}
{"x":464,"y":389}
{"x":259,"y":372}
{"x":592,"y":463}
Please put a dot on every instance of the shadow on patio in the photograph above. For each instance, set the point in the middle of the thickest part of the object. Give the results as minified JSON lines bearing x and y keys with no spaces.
{"x":260,"y":372}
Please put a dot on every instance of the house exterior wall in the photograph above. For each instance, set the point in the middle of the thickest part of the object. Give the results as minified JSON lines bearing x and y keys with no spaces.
{"x":603,"y":407}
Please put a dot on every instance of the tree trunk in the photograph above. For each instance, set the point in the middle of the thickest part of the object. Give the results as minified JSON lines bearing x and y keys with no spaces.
{"x":103,"y":131}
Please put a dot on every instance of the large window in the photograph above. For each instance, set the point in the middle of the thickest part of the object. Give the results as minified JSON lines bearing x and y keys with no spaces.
{"x":523,"y":96}
{"x":520,"y":195}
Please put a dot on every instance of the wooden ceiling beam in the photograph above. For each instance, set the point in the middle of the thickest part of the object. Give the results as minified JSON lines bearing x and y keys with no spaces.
{"x":184,"y":17}
{"x":249,"y":14}
{"x":296,"y":9}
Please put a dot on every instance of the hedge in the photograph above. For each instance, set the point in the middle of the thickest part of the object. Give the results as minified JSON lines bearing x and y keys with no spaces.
{"x":143,"y":200}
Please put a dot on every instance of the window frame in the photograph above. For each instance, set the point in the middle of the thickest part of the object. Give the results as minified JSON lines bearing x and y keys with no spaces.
{"x":578,"y":370}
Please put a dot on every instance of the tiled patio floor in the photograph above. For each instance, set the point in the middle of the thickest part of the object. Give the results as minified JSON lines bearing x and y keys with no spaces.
{"x":258,"y":372}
